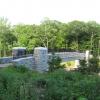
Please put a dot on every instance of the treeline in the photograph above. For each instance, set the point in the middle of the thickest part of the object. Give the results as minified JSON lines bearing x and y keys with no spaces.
{"x":75,"y":35}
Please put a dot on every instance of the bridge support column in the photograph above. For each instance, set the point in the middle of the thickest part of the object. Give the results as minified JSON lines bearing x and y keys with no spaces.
{"x":18,"y":52}
{"x":41,"y":59}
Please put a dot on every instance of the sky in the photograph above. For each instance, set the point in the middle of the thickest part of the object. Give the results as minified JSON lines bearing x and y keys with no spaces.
{"x":34,"y":11}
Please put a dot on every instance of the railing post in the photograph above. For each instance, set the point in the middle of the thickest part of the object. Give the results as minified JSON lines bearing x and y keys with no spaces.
{"x":87,"y":56}
{"x":77,"y":63}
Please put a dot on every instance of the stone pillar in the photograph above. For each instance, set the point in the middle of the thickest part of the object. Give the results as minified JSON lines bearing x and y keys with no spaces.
{"x":41,"y":59}
{"x":87,"y":55}
{"x":18,"y":52}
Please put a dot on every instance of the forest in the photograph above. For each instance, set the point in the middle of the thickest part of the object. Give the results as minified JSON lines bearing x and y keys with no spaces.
{"x":74,"y":35}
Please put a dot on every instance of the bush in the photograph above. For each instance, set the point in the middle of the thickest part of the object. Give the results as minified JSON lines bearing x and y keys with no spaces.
{"x":91,"y":67}
{"x":94,"y":65}
{"x":83,"y":68}
{"x":15,"y":85}
{"x":21,"y":68}
{"x":57,"y":85}
{"x":55,"y":63}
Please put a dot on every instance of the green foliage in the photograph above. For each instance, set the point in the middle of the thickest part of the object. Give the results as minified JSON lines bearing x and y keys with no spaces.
{"x":52,"y":34}
{"x":22,"y":84}
{"x":15,"y":85}
{"x":82,"y":98}
{"x":6,"y":37}
{"x":76,"y":32}
{"x":21,"y":68}
{"x":92,"y":66}
{"x":55,"y":63}
{"x":57,"y":85}
{"x":83,"y":68}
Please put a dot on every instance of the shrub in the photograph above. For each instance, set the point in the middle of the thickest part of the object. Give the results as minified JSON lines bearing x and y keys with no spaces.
{"x":93,"y":64}
{"x":57,"y":85}
{"x":21,"y":68}
{"x":83,"y":68}
{"x":55,"y":63}
{"x":91,"y":67}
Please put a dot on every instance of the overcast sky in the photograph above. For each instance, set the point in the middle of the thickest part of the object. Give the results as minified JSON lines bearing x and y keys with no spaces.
{"x":33,"y":11}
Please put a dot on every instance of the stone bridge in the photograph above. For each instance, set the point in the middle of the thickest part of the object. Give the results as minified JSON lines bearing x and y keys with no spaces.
{"x":39,"y":60}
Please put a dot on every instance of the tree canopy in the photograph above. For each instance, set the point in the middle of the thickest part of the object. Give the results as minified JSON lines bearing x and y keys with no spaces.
{"x":75,"y":35}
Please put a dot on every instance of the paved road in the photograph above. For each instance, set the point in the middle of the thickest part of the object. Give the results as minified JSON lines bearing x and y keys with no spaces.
{"x":5,"y":65}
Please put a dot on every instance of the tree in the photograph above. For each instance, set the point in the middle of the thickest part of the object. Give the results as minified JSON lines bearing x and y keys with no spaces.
{"x":75,"y":33}
{"x":49,"y":33}
{"x":6,"y":36}
{"x":94,"y":31}
{"x":25,"y":35}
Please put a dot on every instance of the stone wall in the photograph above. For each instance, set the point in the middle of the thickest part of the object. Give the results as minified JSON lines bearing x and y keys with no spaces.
{"x":68,"y":56}
{"x":28,"y":62}
{"x":4,"y":60}
{"x":39,"y":61}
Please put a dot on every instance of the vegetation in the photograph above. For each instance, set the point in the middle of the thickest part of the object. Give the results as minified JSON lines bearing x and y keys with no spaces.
{"x":21,"y":84}
{"x":68,"y":64}
{"x":75,"y":35}
{"x":57,"y":85}
{"x":55,"y":63}
{"x":92,"y":65}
